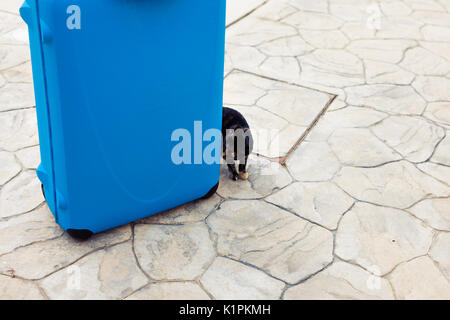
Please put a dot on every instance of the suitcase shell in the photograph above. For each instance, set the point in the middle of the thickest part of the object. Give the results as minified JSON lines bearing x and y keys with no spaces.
{"x":110,"y":94}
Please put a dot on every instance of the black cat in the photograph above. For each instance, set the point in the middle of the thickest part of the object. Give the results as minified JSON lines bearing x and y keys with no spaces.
{"x":237,"y":142}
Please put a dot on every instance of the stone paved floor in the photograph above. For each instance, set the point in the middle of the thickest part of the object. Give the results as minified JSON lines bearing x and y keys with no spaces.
{"x":360,"y":210}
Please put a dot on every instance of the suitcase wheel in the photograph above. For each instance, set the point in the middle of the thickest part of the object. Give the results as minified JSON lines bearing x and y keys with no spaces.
{"x":76,"y":234}
{"x":80,"y":234}
{"x":211,"y":192}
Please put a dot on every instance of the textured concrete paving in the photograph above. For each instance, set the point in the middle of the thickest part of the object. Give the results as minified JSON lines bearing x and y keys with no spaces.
{"x":360,"y":209}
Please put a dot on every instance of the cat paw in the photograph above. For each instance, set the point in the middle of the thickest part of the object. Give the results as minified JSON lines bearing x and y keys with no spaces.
{"x":243,"y":175}
{"x":234,"y":177}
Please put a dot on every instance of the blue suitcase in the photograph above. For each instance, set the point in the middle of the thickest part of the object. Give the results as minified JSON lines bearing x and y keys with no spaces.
{"x":113,"y":80}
